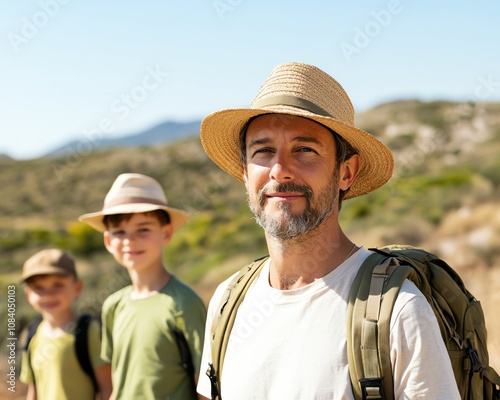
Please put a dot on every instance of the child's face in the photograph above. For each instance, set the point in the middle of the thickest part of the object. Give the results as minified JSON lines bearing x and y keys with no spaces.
{"x":137,"y":244}
{"x":53,"y":294}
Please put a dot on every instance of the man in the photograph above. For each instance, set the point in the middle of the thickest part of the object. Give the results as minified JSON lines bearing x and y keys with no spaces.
{"x":299,"y":154}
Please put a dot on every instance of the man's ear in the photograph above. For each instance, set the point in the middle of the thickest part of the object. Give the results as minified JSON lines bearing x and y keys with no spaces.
{"x":349,"y":170}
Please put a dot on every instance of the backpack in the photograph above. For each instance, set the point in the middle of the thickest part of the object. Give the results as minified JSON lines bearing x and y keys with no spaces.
{"x":372,"y":296}
{"x":81,"y":344}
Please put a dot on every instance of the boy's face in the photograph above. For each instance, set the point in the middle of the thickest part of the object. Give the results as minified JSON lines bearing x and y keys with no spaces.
{"x":137,"y":244}
{"x":53,"y":294}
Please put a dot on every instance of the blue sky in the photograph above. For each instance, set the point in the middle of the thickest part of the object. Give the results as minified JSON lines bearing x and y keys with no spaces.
{"x":73,"y":68}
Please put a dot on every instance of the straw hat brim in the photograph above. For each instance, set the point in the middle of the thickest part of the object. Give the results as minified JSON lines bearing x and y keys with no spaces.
{"x":220,"y":133}
{"x":177,"y":217}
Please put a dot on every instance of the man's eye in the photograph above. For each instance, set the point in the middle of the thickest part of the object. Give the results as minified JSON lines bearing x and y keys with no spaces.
{"x":264,"y":150}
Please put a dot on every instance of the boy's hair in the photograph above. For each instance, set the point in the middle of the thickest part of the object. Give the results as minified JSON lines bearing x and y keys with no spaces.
{"x":115,"y":219}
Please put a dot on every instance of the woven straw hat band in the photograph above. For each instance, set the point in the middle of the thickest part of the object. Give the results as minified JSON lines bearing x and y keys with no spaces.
{"x":290,"y":101}
{"x":313,"y":90}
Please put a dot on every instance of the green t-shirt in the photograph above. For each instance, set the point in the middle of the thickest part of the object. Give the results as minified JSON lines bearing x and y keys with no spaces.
{"x":51,"y":364}
{"x":138,"y":342}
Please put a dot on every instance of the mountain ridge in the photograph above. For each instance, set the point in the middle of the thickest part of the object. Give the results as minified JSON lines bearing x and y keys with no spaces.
{"x":165,"y":132}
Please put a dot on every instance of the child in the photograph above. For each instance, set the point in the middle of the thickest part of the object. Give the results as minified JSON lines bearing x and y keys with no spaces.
{"x":50,"y":364}
{"x":140,"y":321}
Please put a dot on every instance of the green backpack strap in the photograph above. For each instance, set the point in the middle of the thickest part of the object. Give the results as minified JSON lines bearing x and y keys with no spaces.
{"x":184,"y":351}
{"x":368,"y":325}
{"x":224,"y":319}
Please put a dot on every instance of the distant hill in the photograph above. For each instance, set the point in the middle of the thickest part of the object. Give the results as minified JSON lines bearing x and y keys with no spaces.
{"x":4,"y":159}
{"x":166,"y":132}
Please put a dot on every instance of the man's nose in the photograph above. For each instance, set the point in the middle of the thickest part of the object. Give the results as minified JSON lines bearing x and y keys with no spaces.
{"x":282,"y":168}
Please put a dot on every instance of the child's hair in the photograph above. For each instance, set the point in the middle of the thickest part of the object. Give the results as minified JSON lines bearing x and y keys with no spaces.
{"x":115,"y":219}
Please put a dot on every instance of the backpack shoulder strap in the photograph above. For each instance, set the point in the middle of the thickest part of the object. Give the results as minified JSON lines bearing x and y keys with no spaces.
{"x":224,"y":318}
{"x":184,"y":351}
{"x":368,"y":324}
{"x":82,"y":347}
{"x":31,"y":330}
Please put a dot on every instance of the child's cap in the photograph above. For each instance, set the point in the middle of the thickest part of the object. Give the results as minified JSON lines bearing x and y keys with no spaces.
{"x":48,"y":262}
{"x":134,"y":193}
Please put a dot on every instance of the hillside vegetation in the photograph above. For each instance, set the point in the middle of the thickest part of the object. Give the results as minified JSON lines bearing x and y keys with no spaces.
{"x":444,"y":196}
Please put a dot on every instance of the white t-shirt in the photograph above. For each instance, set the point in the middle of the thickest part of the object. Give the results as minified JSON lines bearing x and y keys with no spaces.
{"x":291,"y":344}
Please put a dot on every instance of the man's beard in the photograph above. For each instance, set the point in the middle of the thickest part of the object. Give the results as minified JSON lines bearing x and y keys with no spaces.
{"x":286,"y":225}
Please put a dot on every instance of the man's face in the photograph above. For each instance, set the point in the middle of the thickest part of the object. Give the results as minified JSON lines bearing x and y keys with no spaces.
{"x":291,"y":176}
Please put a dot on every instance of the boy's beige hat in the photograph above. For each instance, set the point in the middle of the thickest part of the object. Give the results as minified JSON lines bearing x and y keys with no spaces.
{"x":48,"y":262}
{"x":134,"y":193}
{"x":305,"y":91}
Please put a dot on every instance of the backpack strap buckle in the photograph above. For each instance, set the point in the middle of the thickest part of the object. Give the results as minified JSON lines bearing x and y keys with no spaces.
{"x":477,"y":366}
{"x":372,"y":388}
{"x":215,"y":395}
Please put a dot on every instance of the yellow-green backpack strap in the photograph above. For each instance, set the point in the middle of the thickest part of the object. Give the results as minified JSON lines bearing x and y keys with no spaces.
{"x":368,"y":324}
{"x":224,"y":317}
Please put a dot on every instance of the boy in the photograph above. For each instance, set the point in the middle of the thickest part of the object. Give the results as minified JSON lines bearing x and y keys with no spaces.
{"x":140,"y":321}
{"x":50,"y":366}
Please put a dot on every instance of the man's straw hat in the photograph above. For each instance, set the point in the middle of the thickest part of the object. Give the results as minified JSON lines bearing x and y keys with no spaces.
{"x":49,"y":262}
{"x":134,"y":193}
{"x":306,"y":91}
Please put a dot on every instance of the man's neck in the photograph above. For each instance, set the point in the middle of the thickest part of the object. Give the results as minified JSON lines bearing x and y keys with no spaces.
{"x":300,"y":261}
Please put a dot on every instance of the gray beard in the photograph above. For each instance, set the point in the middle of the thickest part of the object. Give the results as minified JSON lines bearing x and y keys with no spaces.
{"x":286,"y":225}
